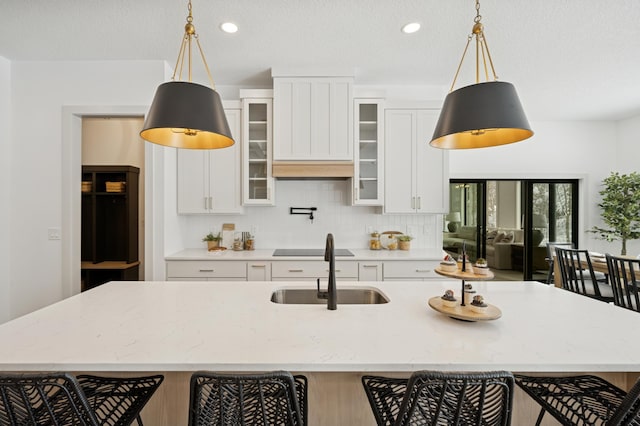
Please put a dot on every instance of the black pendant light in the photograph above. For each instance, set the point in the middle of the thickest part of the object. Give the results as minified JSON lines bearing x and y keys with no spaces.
{"x":185,"y":114}
{"x":482,"y":114}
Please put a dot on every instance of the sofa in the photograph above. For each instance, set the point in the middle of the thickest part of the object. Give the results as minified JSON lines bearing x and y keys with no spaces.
{"x":499,"y":244}
{"x":453,"y":241}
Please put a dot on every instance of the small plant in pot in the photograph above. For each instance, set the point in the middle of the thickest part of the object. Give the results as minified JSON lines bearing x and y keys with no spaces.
{"x":212,"y":240}
{"x":404,"y":242}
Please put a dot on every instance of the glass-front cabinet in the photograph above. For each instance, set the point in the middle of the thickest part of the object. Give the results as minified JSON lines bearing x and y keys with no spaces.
{"x":258,"y":188}
{"x":368,"y":165}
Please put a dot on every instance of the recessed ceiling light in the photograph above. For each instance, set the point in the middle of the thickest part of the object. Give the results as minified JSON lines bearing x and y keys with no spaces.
{"x":411,"y":28}
{"x":229,"y":27}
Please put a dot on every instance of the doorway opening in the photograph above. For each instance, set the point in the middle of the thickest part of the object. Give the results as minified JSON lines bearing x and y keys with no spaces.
{"x":509,"y":222}
{"x":113,"y":195}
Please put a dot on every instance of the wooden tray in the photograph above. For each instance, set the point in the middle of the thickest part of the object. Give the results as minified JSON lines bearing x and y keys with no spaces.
{"x":469,"y":276}
{"x":464,"y":312}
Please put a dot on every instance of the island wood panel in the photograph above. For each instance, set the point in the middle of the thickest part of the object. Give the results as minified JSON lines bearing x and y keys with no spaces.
{"x":335,"y":399}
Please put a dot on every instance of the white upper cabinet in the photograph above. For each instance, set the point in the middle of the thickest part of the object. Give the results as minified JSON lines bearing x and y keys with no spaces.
{"x":257,"y":151}
{"x":416,"y":174}
{"x":313,"y":118}
{"x":368,"y":189}
{"x":209,"y":181}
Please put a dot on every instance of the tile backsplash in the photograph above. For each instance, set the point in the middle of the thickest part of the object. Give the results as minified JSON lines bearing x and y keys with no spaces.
{"x":275,"y":227}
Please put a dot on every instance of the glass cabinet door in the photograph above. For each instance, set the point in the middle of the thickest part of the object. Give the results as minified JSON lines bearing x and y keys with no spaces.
{"x":368,"y":159}
{"x":258,"y":181}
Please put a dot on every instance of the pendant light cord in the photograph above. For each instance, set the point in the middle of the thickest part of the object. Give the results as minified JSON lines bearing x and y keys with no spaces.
{"x":189,"y":33}
{"x":482,"y":49}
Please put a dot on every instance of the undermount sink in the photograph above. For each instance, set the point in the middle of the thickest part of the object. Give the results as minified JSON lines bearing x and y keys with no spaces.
{"x":346,"y":296}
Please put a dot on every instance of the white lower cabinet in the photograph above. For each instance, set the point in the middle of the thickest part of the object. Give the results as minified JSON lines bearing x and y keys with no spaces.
{"x":258,"y":271}
{"x":300,"y":270}
{"x":415,"y":270}
{"x":310,"y":270}
{"x":370,"y":271}
{"x":206,"y":270}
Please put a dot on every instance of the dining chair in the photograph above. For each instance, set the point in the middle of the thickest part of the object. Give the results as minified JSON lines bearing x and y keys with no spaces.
{"x":583,"y":400}
{"x":624,"y":274}
{"x":577,"y":274}
{"x":60,"y":399}
{"x":551,"y":251}
{"x":275,"y":398}
{"x":438,"y":398}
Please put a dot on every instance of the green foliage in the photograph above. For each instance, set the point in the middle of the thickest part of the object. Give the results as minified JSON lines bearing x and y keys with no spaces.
{"x":211,"y":237}
{"x":404,"y":238}
{"x":620,"y":209}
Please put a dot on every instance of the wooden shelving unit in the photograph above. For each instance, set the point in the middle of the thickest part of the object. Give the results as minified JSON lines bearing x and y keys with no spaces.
{"x":109,"y":248}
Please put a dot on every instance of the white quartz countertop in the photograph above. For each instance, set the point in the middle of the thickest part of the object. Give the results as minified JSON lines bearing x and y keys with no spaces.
{"x":267,"y":254}
{"x":233,"y":326}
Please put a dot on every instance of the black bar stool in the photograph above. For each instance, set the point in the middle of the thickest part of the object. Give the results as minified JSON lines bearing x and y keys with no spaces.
{"x":60,"y":399}
{"x":438,"y":398}
{"x":275,"y":398}
{"x":583,"y":400}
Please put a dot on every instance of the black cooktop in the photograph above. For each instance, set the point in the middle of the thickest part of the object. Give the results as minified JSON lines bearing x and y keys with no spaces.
{"x":309,"y":252}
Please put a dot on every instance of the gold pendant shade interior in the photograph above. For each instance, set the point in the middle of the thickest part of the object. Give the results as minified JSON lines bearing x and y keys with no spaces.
{"x":184,"y":114}
{"x":483,"y":114}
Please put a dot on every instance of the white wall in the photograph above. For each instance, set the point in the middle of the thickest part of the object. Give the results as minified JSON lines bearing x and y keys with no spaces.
{"x":40,"y":90}
{"x":5,"y":185}
{"x":508,"y":204}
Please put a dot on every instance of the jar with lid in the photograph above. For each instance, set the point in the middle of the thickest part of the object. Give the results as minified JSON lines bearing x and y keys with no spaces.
{"x":249,"y":243}
{"x":374,"y":241}
{"x":238,"y":244}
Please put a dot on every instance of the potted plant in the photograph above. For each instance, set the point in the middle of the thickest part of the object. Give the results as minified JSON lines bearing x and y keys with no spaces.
{"x":404,"y":242}
{"x":212,"y":240}
{"x":620,"y":209}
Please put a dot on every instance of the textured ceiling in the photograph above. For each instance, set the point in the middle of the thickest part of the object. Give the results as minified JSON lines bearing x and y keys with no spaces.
{"x":569,"y":59}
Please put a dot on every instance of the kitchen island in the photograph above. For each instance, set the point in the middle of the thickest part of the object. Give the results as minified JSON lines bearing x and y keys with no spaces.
{"x":179,"y":327}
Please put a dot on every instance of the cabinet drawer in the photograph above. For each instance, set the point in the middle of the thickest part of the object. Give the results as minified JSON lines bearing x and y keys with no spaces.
{"x":370,"y":271}
{"x":258,"y":271}
{"x":312,"y":269}
{"x":206,"y":269}
{"x":409,"y":269}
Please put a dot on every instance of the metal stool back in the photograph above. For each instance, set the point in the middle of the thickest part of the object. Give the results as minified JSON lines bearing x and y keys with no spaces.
{"x":270,"y":399}
{"x":624,"y":275}
{"x":583,"y":400}
{"x":439,"y":398}
{"x":61,"y":399}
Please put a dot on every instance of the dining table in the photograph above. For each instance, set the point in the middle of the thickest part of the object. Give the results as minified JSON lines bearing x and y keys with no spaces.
{"x":598,"y":264}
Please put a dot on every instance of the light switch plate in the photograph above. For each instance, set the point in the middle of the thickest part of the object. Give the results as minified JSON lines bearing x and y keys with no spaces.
{"x":53,"y":233}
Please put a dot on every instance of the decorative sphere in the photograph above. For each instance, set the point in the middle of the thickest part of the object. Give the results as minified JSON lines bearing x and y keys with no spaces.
{"x":189,"y":28}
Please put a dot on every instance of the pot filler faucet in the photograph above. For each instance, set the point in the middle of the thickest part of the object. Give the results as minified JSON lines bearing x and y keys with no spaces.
{"x":331,"y":294}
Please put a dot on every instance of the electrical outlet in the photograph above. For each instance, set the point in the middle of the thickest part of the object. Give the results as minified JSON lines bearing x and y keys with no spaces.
{"x":254,"y":230}
{"x":53,"y":233}
{"x":369,"y":229}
